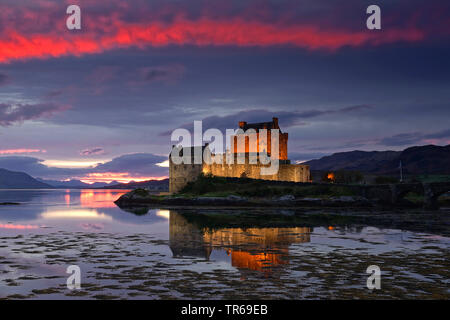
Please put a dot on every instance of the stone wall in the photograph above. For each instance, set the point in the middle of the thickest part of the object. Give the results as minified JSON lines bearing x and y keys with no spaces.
{"x":249,"y":143}
{"x":181,"y":174}
{"x":286,"y":172}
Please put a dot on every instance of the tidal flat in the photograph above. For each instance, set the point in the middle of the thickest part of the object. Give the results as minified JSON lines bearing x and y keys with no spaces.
{"x":216,"y":254}
{"x":140,"y":267}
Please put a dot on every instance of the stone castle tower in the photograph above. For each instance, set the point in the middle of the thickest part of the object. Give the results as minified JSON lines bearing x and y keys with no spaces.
{"x":267,"y":145}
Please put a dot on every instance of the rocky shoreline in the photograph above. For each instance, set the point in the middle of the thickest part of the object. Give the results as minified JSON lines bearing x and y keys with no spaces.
{"x":139,"y":197}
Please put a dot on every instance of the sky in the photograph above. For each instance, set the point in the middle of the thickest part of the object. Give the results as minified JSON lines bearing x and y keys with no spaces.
{"x":100,"y":103}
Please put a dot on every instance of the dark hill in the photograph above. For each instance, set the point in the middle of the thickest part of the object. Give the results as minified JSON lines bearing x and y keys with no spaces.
{"x":429,"y":159}
{"x":19,"y":180}
{"x":75,"y":184}
{"x":154,"y":185}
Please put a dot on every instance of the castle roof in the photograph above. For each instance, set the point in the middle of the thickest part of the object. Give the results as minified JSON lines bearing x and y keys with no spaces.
{"x":260,"y":125}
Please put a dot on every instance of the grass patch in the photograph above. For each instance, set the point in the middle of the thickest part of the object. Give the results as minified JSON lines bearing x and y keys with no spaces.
{"x":414,"y":197}
{"x":211,"y":186}
{"x":429,"y":178}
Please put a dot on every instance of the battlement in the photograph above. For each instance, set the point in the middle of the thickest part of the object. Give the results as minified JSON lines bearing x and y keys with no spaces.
{"x":251,"y":141}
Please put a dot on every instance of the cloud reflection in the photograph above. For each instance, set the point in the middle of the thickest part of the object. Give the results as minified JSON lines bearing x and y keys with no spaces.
{"x":18,"y":226}
{"x":75,"y":214}
{"x":163,"y":214}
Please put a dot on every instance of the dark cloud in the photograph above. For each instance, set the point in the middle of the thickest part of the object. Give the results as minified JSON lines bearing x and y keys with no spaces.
{"x":315,"y":113}
{"x":54,"y":93}
{"x":344,"y":145}
{"x":412,"y":138}
{"x":153,"y":74}
{"x":300,"y":157}
{"x":92,"y":151}
{"x":231,"y":121}
{"x":137,"y":164}
{"x":438,"y":135}
{"x":402,"y":139}
{"x":35,"y":167}
{"x":12,"y":113}
{"x":4,"y":79}
{"x":166,"y":74}
{"x":286,"y":118}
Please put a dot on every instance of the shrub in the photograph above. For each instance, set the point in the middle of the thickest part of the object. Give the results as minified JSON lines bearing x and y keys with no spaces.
{"x":202,"y":185}
{"x":344,"y":176}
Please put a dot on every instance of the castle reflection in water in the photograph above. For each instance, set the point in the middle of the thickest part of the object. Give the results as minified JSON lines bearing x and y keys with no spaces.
{"x":259,"y":249}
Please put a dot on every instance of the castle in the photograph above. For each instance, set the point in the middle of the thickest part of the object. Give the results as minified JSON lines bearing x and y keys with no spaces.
{"x":241,"y":166}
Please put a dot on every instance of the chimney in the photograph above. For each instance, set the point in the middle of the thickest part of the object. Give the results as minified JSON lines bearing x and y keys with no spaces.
{"x":242,"y":124}
{"x":275,"y":123}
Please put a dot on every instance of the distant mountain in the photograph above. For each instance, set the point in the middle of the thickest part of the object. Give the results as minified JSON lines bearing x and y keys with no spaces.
{"x":75,"y":184}
{"x":19,"y":180}
{"x":429,"y":159}
{"x":155,"y":185}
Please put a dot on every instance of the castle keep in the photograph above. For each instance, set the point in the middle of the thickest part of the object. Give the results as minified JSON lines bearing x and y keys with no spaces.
{"x":264,"y":144}
{"x":252,"y":142}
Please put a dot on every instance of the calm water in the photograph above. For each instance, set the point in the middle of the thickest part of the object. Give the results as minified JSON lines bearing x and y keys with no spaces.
{"x":166,"y":254}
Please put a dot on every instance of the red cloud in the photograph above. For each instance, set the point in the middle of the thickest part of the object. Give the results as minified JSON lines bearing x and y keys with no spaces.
{"x":201,"y":32}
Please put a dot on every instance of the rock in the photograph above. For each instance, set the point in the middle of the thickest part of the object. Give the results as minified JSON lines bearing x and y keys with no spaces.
{"x":207,"y":199}
{"x":236,"y":198}
{"x":308,"y":202}
{"x":287,"y":212}
{"x":312,"y":199}
{"x":216,"y":200}
{"x":349,"y":199}
{"x":136,"y":194}
{"x":287,"y":197}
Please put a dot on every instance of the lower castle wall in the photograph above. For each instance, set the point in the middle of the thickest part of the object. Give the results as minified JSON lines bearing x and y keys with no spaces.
{"x":181,"y":174}
{"x":286,"y":172}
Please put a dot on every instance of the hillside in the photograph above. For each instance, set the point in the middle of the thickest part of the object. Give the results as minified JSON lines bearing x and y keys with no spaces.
{"x":154,"y":185}
{"x":75,"y":184}
{"x":19,"y":180}
{"x":429,"y":159}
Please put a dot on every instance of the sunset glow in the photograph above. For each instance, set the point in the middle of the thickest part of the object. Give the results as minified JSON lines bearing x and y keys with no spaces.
{"x":163,"y":214}
{"x":71,"y":164}
{"x":99,"y":199}
{"x":75,"y":214}
{"x":121,"y":177}
{"x":164,"y":164}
